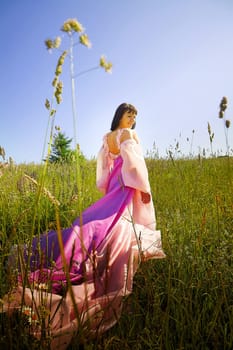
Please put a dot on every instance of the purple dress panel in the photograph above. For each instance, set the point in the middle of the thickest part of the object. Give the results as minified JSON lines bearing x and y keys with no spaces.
{"x":97,"y":221}
{"x":103,"y":252}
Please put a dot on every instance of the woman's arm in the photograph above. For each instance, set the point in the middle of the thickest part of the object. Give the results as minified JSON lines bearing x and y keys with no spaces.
{"x":128,"y":134}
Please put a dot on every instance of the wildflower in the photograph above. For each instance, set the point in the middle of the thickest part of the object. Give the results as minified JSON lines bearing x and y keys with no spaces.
{"x":26,"y":310}
{"x":84,"y":40}
{"x":227,"y":123}
{"x":43,"y":286}
{"x":31,"y":316}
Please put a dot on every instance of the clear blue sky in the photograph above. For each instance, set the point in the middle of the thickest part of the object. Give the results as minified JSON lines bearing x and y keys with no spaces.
{"x":172,"y":59}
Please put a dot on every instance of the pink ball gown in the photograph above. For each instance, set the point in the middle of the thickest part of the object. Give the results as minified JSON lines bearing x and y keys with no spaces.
{"x":103,"y":250}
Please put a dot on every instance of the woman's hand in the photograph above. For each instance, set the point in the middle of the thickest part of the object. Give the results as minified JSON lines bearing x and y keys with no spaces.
{"x":145,"y":197}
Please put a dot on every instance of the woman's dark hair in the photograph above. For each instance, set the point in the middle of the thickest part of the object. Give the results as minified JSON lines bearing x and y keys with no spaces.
{"x":124,"y":107}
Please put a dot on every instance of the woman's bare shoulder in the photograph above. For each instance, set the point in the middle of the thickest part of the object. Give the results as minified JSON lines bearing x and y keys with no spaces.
{"x":114,"y":138}
{"x":128,"y":134}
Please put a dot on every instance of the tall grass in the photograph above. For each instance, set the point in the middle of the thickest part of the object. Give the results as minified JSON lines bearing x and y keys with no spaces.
{"x":186,"y":301}
{"x":183,"y":302}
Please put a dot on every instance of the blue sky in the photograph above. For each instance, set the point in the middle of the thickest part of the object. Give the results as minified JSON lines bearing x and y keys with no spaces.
{"x":172,"y":59}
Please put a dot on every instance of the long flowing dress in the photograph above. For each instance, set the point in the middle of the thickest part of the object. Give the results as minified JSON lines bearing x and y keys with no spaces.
{"x":102,"y":250}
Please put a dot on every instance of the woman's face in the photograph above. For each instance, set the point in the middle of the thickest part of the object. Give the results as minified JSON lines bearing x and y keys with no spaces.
{"x":128,"y":120}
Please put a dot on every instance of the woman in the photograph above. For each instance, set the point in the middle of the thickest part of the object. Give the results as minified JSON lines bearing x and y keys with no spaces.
{"x":103,"y":248}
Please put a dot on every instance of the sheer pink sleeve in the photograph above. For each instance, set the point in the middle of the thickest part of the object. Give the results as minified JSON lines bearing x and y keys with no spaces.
{"x":104,"y":166}
{"x":134,"y":170}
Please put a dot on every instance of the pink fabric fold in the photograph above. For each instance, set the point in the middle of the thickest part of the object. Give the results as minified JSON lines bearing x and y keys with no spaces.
{"x":103,"y":253}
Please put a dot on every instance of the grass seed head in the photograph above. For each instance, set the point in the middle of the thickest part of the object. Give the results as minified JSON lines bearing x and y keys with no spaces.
{"x":209,"y":129}
{"x":47,"y":104}
{"x":49,"y":44}
{"x":2,"y":152}
{"x":106,"y":65}
{"x":223,"y":104}
{"x":221,"y":114}
{"x":227,"y":123}
{"x":84,"y":40}
{"x":72,"y":25}
{"x":57,"y":42}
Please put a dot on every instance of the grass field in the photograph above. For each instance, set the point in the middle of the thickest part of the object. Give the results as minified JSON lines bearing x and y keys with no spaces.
{"x":182,"y":302}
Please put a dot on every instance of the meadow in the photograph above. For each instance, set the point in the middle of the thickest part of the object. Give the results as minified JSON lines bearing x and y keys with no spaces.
{"x":182,"y":302}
